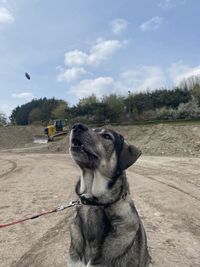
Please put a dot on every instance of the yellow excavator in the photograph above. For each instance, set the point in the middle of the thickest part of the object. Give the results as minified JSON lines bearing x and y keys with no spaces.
{"x":52,"y":131}
{"x":58,"y":128}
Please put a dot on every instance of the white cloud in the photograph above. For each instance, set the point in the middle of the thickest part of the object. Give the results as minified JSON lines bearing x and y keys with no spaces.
{"x":118,"y":25}
{"x":75,"y":58}
{"x":103,"y":50}
{"x":179,"y":71}
{"x":136,"y":80}
{"x":99,"y":86}
{"x":71,"y":74}
{"x":167,"y":4}
{"x":143,"y":78}
{"x":24,"y":95}
{"x":153,"y":77}
{"x":5,"y":15}
{"x":152,"y":24}
{"x":100,"y":51}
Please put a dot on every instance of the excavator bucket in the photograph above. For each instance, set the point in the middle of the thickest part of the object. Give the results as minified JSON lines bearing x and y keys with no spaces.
{"x":40,"y":139}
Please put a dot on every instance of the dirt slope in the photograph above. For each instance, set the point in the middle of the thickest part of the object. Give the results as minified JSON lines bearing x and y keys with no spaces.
{"x":164,"y":139}
{"x":161,"y":139}
{"x":18,"y":136}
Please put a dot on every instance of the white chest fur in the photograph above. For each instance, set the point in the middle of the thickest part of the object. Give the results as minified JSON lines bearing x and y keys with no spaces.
{"x":93,"y":183}
{"x":99,"y":185}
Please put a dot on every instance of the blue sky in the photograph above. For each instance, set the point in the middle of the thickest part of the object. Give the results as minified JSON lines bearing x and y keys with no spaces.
{"x":75,"y":48}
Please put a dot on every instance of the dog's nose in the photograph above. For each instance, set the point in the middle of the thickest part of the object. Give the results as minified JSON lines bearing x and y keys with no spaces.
{"x":79,"y":127}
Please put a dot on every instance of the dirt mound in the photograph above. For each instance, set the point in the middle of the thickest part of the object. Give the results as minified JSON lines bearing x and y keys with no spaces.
{"x":14,"y":137}
{"x":164,"y":139}
{"x":20,"y":139}
{"x":160,"y":139}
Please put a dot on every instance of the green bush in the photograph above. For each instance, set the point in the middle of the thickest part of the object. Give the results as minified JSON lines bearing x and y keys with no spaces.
{"x":189,"y":110}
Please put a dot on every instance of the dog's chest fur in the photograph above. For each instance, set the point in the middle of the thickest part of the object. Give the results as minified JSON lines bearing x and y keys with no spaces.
{"x":93,"y":222}
{"x":88,"y":231}
{"x":93,"y":185}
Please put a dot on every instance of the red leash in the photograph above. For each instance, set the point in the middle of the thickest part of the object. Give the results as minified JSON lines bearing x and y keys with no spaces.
{"x":59,"y":208}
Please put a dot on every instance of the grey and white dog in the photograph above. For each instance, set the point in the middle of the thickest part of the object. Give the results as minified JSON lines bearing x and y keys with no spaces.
{"x":107,"y":230}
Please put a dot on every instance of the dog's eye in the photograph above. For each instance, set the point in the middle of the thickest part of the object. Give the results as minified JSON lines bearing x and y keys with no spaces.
{"x":107,"y":136}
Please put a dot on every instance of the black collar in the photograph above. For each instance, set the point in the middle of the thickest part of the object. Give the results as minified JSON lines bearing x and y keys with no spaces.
{"x":93,"y":202}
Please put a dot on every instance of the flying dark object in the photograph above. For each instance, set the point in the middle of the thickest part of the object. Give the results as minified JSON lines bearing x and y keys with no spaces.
{"x":27,"y":76}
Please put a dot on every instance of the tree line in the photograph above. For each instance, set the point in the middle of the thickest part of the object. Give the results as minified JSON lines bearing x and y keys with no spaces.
{"x":182,"y":102}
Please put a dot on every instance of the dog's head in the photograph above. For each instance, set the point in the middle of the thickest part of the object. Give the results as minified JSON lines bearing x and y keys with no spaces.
{"x":101,"y":149}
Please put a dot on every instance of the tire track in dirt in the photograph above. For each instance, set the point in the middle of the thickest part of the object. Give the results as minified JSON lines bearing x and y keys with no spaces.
{"x":190,"y":224}
{"x":157,"y":171}
{"x":140,"y":172}
{"x":174,"y":187}
{"x":36,"y":254}
{"x":13,"y":167}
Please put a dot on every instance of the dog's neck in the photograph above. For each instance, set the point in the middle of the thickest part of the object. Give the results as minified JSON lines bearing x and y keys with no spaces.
{"x":94,"y":185}
{"x":86,"y":181}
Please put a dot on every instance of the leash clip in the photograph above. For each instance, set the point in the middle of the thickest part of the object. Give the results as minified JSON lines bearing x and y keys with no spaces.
{"x":71,"y":204}
{"x":74,"y":203}
{"x":59,"y":208}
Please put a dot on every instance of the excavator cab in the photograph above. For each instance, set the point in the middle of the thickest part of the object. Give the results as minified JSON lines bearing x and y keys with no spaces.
{"x":59,"y":125}
{"x":58,"y":128}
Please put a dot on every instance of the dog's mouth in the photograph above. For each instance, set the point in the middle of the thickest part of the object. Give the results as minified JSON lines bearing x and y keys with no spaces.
{"x":78,"y":146}
{"x":76,"y":143}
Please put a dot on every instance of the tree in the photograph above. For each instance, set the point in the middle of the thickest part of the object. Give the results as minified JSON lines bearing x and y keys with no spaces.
{"x":61,"y":111}
{"x":189,"y":110}
{"x":19,"y":115}
{"x":193,"y":85}
{"x":38,"y":109}
{"x":139,"y":102}
{"x":35,"y":115}
{"x":3,"y":119}
{"x":116,"y":106}
{"x":101,"y":112}
{"x":190,"y":82}
{"x":88,"y":100}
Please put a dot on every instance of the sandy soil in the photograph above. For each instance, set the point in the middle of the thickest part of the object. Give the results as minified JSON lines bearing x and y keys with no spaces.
{"x":182,"y":139}
{"x":18,"y":136}
{"x":165,"y":191}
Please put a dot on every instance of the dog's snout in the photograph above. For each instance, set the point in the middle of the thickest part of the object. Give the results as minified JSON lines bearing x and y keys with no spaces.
{"x":79,"y":127}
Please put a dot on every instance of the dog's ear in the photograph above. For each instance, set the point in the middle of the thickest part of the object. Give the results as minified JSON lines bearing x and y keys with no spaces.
{"x":129,"y":154}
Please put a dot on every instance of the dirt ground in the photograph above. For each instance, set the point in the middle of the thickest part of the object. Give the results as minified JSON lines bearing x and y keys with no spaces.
{"x":164,"y":183}
{"x":165,"y":191}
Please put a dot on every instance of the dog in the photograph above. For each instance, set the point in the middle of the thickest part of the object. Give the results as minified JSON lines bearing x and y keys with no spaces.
{"x":107,"y":230}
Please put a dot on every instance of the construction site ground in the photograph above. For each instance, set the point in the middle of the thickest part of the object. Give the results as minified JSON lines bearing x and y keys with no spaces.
{"x":164,"y":183}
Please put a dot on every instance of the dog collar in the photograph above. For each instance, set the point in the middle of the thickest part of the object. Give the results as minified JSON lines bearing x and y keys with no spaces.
{"x":91,"y":202}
